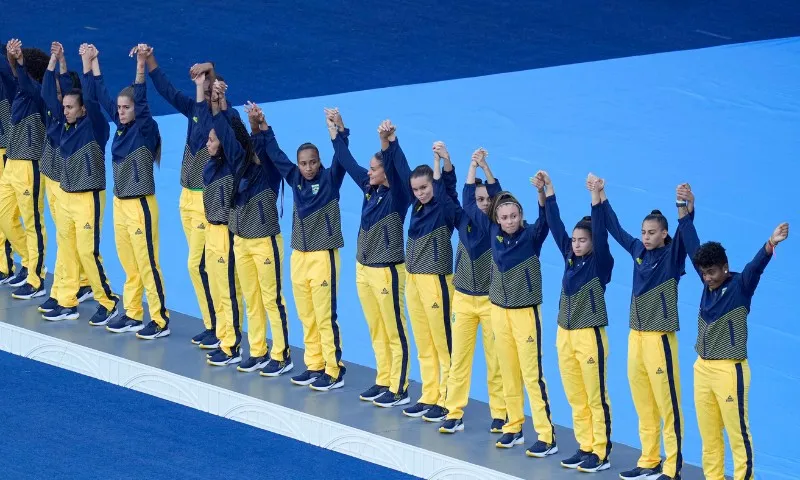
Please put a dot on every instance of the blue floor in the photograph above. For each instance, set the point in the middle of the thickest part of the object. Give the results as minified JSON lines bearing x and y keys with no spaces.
{"x":59,"y":424}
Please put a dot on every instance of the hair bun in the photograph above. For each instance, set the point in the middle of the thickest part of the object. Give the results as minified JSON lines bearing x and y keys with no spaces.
{"x":586,"y":219}
{"x":656,"y":212}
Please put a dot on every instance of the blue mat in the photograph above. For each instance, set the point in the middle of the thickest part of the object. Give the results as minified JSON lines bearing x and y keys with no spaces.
{"x":59,"y":424}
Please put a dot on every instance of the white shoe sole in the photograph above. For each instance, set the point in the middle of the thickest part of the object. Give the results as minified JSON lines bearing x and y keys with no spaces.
{"x":286,"y":368}
{"x":336,"y":385}
{"x":602,"y":467}
{"x":404,"y":401}
{"x":71,"y":316}
{"x":257,"y":366}
{"x":304,"y":383}
{"x":230,"y":361}
{"x":518,"y":441}
{"x":546,"y":453}
{"x":459,"y":428}
{"x":415,"y":415}
{"x":37,"y":294}
{"x":86,"y":296}
{"x":162,"y":333}
{"x":126,"y":328}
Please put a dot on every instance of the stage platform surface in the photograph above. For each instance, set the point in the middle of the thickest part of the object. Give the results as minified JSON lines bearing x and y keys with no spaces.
{"x":174,"y":369}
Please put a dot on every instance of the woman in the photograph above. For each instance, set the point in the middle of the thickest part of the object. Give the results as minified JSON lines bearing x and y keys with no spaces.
{"x":429,"y":281}
{"x":136,"y":147}
{"x":316,"y":240}
{"x":258,"y":248}
{"x":8,"y":90}
{"x":193,"y":215}
{"x":225,"y":151}
{"x":653,"y":370}
{"x":581,"y":340}
{"x":51,"y":166}
{"x":83,"y":180}
{"x":722,"y":372}
{"x":21,"y":189}
{"x":380,"y":259}
{"x":471,"y":305}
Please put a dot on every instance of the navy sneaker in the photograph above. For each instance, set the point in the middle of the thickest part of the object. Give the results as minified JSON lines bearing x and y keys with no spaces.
{"x":496,"y":426}
{"x":48,"y":305}
{"x":153,"y":331}
{"x":640,"y":473}
{"x":222,"y":359}
{"x":102,"y":316}
{"x":210,"y":342}
{"x":200,"y":336}
{"x":124,"y":324}
{"x":307,"y":378}
{"x":593,"y":464}
{"x":417,"y":410}
{"x":84,"y":293}
{"x":452,"y":425}
{"x":325,"y":382}
{"x":435,"y":414}
{"x":276,"y":368}
{"x":20,"y":279}
{"x":388,"y":399}
{"x":6,"y":277}
{"x":61,"y":313}
{"x":213,"y":352}
{"x":508,"y":440}
{"x":575,"y":460}
{"x":27,"y":291}
{"x":373,"y":392}
{"x":253,"y":363}
{"x":540,"y":449}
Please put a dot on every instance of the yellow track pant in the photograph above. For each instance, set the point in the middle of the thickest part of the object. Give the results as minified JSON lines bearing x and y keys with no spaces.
{"x":7,"y":260}
{"x":315,"y":280}
{"x":259,"y":265}
{"x":225,"y":287}
{"x":56,"y":200}
{"x":470,"y":311}
{"x":429,"y":300}
{"x":518,"y":342}
{"x":80,"y":224}
{"x":193,"y":220}
{"x":654,"y":377}
{"x":136,"y":234}
{"x":382,"y":294}
{"x":21,"y":188}
{"x":583,"y":362}
{"x":721,"y":390}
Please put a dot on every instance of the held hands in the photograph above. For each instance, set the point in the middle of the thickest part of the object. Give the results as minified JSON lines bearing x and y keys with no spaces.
{"x":88,"y":51}
{"x":256,"y":116}
{"x":684,"y":192}
{"x":334,"y":119}
{"x":141,"y":51}
{"x":479,"y":158}
{"x":594,"y":183}
{"x":780,"y":234}
{"x":14,"y":49}
{"x":440,"y":152}
{"x":57,"y":50}
{"x":386,"y":130}
{"x":218,"y":90}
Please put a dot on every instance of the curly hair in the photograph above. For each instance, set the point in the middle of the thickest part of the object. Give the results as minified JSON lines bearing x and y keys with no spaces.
{"x":35,"y":62}
{"x":710,"y":254}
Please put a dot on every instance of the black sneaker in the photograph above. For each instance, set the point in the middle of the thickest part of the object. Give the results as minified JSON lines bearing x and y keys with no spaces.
{"x":84,"y":293}
{"x":417,"y":410}
{"x":20,"y":279}
{"x":388,"y":399}
{"x":640,"y":473}
{"x":200,"y":336}
{"x":61,"y":313}
{"x":452,"y":425}
{"x":27,"y":291}
{"x":497,"y":426}
{"x":275,"y":368}
{"x":210,"y":342}
{"x":508,"y":440}
{"x":124,"y":324}
{"x":153,"y":331}
{"x":102,"y":315}
{"x":575,"y":460}
{"x":593,"y":464}
{"x":373,"y":392}
{"x":307,"y":378}
{"x":48,"y":305}
{"x":540,"y":449}
{"x":252,"y":364}
{"x":222,"y":359}
{"x":435,"y":414}
{"x":325,"y":382}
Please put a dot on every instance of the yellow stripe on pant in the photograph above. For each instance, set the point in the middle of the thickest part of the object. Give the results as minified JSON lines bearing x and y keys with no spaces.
{"x":193,"y":220}
{"x":7,"y":259}
{"x":259,"y":263}
{"x":429,"y":299}
{"x":79,"y":233}
{"x":470,"y":311}
{"x":382,"y":294}
{"x":56,"y":200}
{"x":315,"y":277}
{"x":225,"y":287}
{"x":583,"y":361}
{"x":22,"y":195}
{"x":518,"y":342}
{"x":721,"y":391}
{"x":136,"y":234}
{"x":654,"y":376}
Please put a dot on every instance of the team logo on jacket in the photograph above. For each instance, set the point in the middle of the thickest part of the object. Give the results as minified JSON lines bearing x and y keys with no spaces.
{"x":315,"y":189}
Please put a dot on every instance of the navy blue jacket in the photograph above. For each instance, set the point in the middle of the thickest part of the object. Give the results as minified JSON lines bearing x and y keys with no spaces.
{"x":26,"y":141}
{"x":220,"y":169}
{"x":51,"y":163}
{"x":474,"y":251}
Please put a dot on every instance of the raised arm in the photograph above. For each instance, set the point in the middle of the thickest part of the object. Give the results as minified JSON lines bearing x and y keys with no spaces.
{"x":7,"y":78}
{"x":341,"y":152}
{"x":622,"y":237}
{"x":103,"y":97}
{"x":751,"y":274}
{"x":540,"y":227}
{"x":600,"y":245}
{"x":476,"y":216}
{"x":286,"y":168}
{"x":26,"y":84}
{"x":553,"y":215}
{"x":202,"y":115}
{"x":49,"y":90}
{"x":93,"y":110}
{"x":395,"y":164}
{"x":179,"y":100}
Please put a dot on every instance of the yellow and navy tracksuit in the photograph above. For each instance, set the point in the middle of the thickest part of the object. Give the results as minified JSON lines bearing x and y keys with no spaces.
{"x":582,"y":341}
{"x":83,"y":181}
{"x":429,"y":292}
{"x":380,"y":266}
{"x":218,"y":178}
{"x":471,"y":308}
{"x":8,"y":89}
{"x":653,"y":368}
{"x":316,"y":240}
{"x":21,"y":188}
{"x":133,"y":153}
{"x":721,"y":372}
{"x":258,"y":247}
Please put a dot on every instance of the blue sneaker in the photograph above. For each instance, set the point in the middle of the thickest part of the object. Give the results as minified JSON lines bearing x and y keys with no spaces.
{"x":27,"y":291}
{"x":61,"y":313}
{"x":389,"y":399}
{"x":276,"y":368}
{"x":153,"y":331}
{"x":20,"y":279}
{"x":417,"y":410}
{"x":540,"y":449}
{"x":210,"y":342}
{"x":222,"y":359}
{"x":252,"y":364}
{"x":640,"y":473}
{"x":211,"y":353}
{"x":102,"y":316}
{"x":200,"y":336}
{"x":307,"y":378}
{"x":84,"y":293}
{"x":452,"y":425}
{"x":49,"y":305}
{"x":593,"y":464}
{"x":497,"y":426}
{"x":575,"y":460}
{"x":373,"y":392}
{"x":6,"y":277}
{"x":435,"y":414}
{"x":508,"y":440}
{"x":325,"y":382}
{"x":124,"y":324}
